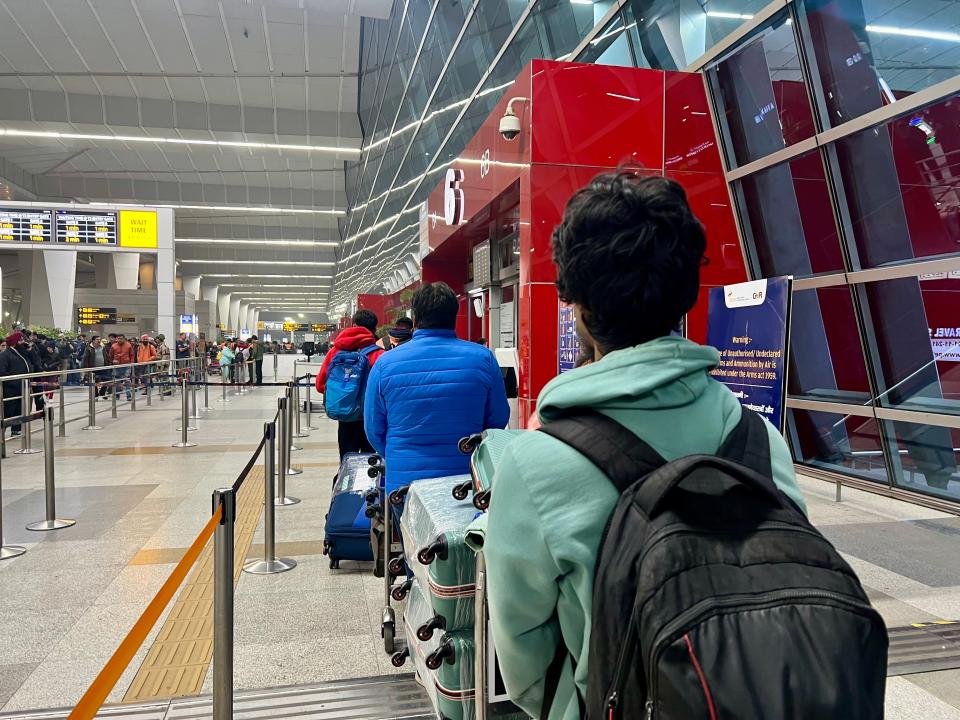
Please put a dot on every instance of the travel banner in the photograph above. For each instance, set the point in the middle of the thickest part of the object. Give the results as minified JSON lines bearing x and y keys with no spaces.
{"x":749,"y":324}
{"x":568,"y":340}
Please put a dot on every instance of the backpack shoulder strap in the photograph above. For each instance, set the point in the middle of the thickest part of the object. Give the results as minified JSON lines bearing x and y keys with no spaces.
{"x":622,"y":456}
{"x":749,"y":444}
{"x":365,"y":351}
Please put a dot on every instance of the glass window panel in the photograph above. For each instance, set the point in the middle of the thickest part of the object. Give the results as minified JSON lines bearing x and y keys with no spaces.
{"x":609,"y":47}
{"x":761,"y":95}
{"x":925,"y":458}
{"x":915,"y":324}
{"x":870,"y":53}
{"x":790,"y":218}
{"x":842,"y":443}
{"x":826,"y":358}
{"x":561,"y":25}
{"x":671,"y":34}
{"x":902,"y":186}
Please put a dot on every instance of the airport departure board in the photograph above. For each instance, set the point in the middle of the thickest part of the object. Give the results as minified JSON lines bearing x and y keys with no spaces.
{"x":96,"y":315}
{"x":86,"y":228}
{"x":26,"y":225}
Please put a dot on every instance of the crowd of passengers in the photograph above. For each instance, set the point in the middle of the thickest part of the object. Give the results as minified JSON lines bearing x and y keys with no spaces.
{"x":628,"y":254}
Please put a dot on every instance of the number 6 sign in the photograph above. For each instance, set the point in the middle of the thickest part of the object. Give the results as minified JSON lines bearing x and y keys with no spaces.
{"x":453,"y":200}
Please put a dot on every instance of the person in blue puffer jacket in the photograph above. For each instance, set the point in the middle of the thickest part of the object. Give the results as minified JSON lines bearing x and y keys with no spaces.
{"x":425,"y":395}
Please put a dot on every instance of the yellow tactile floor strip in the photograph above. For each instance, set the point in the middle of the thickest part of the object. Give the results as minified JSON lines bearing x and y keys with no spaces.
{"x":177,"y":662}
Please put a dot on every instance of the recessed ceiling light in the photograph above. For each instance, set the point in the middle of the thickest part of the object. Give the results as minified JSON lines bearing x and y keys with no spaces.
{"x":255,"y":262}
{"x":231,"y":208}
{"x":286,"y":243}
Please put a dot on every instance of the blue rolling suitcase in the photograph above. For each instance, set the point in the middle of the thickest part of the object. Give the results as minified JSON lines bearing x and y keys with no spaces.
{"x":347,"y":531}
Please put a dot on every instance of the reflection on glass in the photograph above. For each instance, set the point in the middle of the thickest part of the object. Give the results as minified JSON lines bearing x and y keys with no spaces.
{"x":902,"y":187}
{"x":826,"y":359}
{"x":610,"y":47}
{"x":671,"y":34}
{"x":915,"y":328}
{"x":761,"y":95}
{"x":925,"y":457}
{"x":872,"y":52}
{"x":842,"y":443}
{"x":791,"y":222}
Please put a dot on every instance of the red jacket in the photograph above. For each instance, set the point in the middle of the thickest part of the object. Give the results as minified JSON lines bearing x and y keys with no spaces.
{"x":121,"y":353}
{"x":352,"y":338}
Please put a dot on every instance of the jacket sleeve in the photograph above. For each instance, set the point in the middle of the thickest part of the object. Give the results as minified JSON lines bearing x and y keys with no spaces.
{"x":322,"y":375}
{"x":375,"y":412}
{"x":497,"y":412}
{"x":522,"y":588}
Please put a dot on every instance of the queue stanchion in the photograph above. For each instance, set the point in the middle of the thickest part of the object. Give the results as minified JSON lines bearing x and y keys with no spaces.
{"x":6,"y":551}
{"x":195,"y":412}
{"x":3,"y":432}
{"x":274,"y":364}
{"x":271,"y":564}
{"x":113,"y":398}
{"x":133,"y":390}
{"x":224,"y":499}
{"x":51,"y":522}
{"x":299,"y":433}
{"x":92,"y":406}
{"x":283,"y":458}
{"x":310,"y":404}
{"x":293,"y":413}
{"x":149,"y":389}
{"x":62,"y":415}
{"x":184,"y":419}
{"x":206,"y":385}
{"x":289,"y":446}
{"x":26,"y":437}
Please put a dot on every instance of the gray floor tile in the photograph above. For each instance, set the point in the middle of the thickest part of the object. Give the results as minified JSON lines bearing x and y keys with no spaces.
{"x":944,"y":684}
{"x":12,"y":677}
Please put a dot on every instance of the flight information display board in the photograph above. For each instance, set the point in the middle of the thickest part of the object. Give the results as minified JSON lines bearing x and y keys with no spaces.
{"x":86,"y":228}
{"x":96,"y":316}
{"x":26,"y":225}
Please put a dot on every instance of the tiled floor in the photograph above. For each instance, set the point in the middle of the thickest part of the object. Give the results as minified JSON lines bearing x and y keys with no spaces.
{"x":66,"y":604}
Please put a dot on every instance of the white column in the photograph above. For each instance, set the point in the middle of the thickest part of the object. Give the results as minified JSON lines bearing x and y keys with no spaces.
{"x":117,"y":270}
{"x":242,"y":316}
{"x":53,"y":279}
{"x":256,"y":322}
{"x":223,"y":309}
{"x":191,"y":286}
{"x":233,"y":324}
{"x":249,"y":321}
{"x":209,"y":292}
{"x":165,"y":276}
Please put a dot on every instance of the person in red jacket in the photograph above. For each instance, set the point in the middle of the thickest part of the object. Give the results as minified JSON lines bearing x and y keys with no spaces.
{"x":351,"y":436}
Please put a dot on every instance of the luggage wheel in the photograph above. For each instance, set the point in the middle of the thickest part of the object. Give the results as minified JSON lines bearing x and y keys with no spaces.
{"x":326,"y":547}
{"x":374,"y":470}
{"x":481,"y":501}
{"x":461,"y":491}
{"x":399,"y":658}
{"x":397,"y":566}
{"x":374,"y":459}
{"x":334,"y":564}
{"x":400,"y":591}
{"x":372,"y":511}
{"x":468,"y":444}
{"x":372,"y":496}
{"x":425,"y":631}
{"x":438,"y":549}
{"x":445,"y":652}
{"x":386,"y":631}
{"x":397,"y":496}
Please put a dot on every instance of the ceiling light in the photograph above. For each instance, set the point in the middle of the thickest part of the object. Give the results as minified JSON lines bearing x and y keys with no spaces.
{"x":258,"y":275}
{"x":256,"y":262}
{"x":729,"y":15}
{"x":179,"y":141}
{"x":908,"y":32}
{"x":285,"y":243}
{"x":239,"y":208}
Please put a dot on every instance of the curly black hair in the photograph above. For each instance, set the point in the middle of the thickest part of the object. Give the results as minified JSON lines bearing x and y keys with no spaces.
{"x":629,"y":251}
{"x":366,"y":318}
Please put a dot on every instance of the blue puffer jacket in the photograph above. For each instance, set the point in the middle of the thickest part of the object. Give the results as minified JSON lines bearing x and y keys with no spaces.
{"x":425,"y":395}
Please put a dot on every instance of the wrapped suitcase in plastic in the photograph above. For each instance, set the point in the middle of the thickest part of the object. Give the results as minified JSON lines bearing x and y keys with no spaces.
{"x":347,"y":530}
{"x":485,"y":450}
{"x":444,"y":662}
{"x":434,"y":526}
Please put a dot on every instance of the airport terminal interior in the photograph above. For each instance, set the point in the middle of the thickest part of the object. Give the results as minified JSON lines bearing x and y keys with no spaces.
{"x":204,"y":203}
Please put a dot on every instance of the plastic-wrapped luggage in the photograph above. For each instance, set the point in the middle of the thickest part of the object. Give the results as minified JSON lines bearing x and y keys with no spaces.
{"x":347,"y":531}
{"x":444,"y":662}
{"x":485,"y":450}
{"x":434,"y":525}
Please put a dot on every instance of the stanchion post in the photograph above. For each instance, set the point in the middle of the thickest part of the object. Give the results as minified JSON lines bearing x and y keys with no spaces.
{"x":296,"y":400}
{"x":839,"y":491}
{"x":274,"y":364}
{"x":289,"y":435}
{"x":113,"y":398}
{"x":3,"y":435}
{"x":62,"y":415}
{"x":26,"y":436}
{"x":51,"y":522}
{"x":133,"y":390}
{"x":309,"y":403}
{"x":92,"y":406}
{"x":6,"y":551}
{"x":271,"y":564}
{"x":195,"y":414}
{"x":225,"y":499}
{"x":283,"y":459}
{"x":206,"y":384}
{"x":184,"y":419}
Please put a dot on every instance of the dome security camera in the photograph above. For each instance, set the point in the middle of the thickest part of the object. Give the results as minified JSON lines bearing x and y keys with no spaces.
{"x":510,"y":124}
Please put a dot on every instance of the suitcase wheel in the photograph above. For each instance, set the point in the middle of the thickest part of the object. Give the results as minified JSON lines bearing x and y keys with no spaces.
{"x":334,"y":564}
{"x":437,"y":549}
{"x":400,"y":591}
{"x":326,"y":547}
{"x":397,"y":496}
{"x":468,"y":444}
{"x":461,"y":491}
{"x":445,"y":652}
{"x":372,"y":511}
{"x":386,"y":631}
{"x":481,"y":501}
{"x":375,"y":471}
{"x":399,"y":658}
{"x":374,"y":459}
{"x":425,"y":631}
{"x":397,"y":566}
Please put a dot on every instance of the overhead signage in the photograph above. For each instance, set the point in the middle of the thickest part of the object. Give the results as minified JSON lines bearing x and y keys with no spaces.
{"x":568,"y":340}
{"x":96,"y":315}
{"x":322,"y":327}
{"x":26,"y":225}
{"x":189,"y":324}
{"x":138,"y":229}
{"x":86,"y":228}
{"x":749,"y":324}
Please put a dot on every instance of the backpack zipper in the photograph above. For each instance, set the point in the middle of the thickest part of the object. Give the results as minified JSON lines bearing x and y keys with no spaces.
{"x":707,"y":607}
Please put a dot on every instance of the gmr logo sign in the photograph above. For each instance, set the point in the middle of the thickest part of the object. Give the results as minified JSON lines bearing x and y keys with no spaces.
{"x":453,"y":200}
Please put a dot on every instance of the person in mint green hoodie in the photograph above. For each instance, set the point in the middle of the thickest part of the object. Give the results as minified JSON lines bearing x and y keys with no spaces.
{"x":628,"y":254}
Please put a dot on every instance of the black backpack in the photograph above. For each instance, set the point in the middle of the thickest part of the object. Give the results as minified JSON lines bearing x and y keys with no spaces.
{"x":714,"y":597}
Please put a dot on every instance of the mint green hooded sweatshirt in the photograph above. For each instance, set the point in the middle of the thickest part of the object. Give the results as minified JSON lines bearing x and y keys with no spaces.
{"x":550,"y":504}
